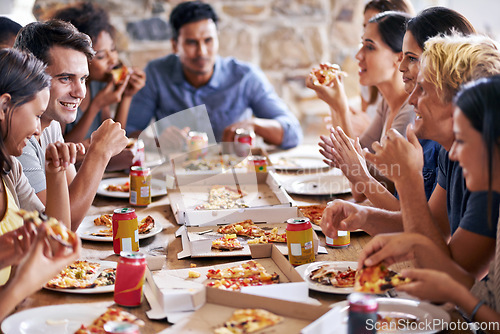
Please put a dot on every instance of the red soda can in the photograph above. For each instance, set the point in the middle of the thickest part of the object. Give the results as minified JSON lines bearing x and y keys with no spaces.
{"x":140,"y":186}
{"x":121,"y":327}
{"x":125,"y":230}
{"x":257,"y":163}
{"x":243,"y":141}
{"x":299,"y":239}
{"x":362,"y":313}
{"x":130,"y":275}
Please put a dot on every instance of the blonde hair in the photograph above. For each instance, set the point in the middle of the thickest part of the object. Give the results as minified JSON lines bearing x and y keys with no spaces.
{"x":453,"y":60}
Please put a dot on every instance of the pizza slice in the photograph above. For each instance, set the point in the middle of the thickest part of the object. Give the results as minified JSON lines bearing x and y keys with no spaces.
{"x":106,"y":277}
{"x":125,"y":187}
{"x":326,"y":73}
{"x":223,"y":197}
{"x":377,"y":279}
{"x":146,"y":225}
{"x":245,"y":228}
{"x":119,"y":73}
{"x":248,"y":321}
{"x":328,"y":274}
{"x":78,"y":275}
{"x":56,"y":229}
{"x":227,"y":243}
{"x":111,"y":314}
{"x":313,"y":212}
{"x":104,"y":220}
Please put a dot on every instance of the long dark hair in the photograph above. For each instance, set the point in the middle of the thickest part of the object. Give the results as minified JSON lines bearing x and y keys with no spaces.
{"x":392,"y":28}
{"x":438,"y":20}
{"x":22,"y":76}
{"x":478,"y":101}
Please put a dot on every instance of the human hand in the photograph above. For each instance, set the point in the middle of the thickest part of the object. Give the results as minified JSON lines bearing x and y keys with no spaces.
{"x":333,"y":94}
{"x":432,"y":285}
{"x":58,"y":156}
{"x":173,"y":139}
{"x":109,"y":139}
{"x":230,"y":131}
{"x":136,"y":82}
{"x":111,"y":94}
{"x":327,"y":151}
{"x":44,"y":261}
{"x":398,"y":158}
{"x":344,"y":216}
{"x":14,"y":245}
{"x":121,"y":161}
{"x":389,"y":248}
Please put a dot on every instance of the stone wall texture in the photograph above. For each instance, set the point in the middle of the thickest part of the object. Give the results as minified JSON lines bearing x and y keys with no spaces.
{"x":286,"y":38}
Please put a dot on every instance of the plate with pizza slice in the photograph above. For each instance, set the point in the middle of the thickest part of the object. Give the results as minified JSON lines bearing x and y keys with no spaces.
{"x":98,"y":228}
{"x":85,"y":277}
{"x":329,"y":276}
{"x":118,"y":187}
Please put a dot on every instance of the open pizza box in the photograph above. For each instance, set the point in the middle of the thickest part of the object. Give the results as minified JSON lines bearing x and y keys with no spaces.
{"x":262,"y":196}
{"x":173,"y":291}
{"x":197,"y":241}
{"x":221,"y":304}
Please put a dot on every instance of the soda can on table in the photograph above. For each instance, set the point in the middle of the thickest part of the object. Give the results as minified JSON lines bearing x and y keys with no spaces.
{"x":197,"y":145}
{"x":130,"y":275}
{"x":299,"y":239}
{"x":243,"y":141}
{"x":257,"y":163}
{"x":125,"y":230}
{"x":343,"y":238}
{"x":140,"y":186}
{"x":362,"y":313}
{"x":121,"y":327}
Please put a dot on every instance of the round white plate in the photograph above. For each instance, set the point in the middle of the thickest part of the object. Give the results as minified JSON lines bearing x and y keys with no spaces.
{"x":99,"y":289}
{"x":87,"y":227}
{"x":305,"y":270}
{"x":55,"y":319}
{"x":319,"y":184}
{"x":297,"y":163}
{"x":158,"y":187}
{"x":426,"y":314}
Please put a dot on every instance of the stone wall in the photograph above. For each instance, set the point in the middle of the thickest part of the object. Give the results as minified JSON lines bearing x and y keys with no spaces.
{"x":284,"y":37}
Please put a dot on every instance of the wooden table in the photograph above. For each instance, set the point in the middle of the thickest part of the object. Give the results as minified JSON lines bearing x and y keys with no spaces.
{"x":165,"y":241}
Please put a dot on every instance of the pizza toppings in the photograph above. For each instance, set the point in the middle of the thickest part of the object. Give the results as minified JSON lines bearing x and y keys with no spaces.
{"x":227,"y":242}
{"x":247,"y":228}
{"x":327,"y":274}
{"x":223,"y":197}
{"x":119,"y":73}
{"x":83,"y":275}
{"x":250,"y":273}
{"x":111,"y":314}
{"x":378,"y":279}
{"x":313,"y":212}
{"x":125,"y":187}
{"x":248,"y":321}
{"x":56,"y":229}
{"x":326,"y":73}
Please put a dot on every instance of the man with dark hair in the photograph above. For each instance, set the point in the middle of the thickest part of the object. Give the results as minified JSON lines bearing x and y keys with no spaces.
{"x":8,"y":32}
{"x":66,"y":52}
{"x":231,"y":90}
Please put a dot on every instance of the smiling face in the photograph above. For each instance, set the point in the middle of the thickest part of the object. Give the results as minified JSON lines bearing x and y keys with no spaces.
{"x":411,"y":61}
{"x":23,"y":122}
{"x":197,"y":46}
{"x":434,"y":117}
{"x":69,"y":70}
{"x":377,"y":62}
{"x":469,"y":150}
{"x":106,"y":57}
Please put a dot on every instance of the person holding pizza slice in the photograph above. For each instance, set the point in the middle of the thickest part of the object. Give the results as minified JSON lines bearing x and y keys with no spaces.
{"x":476,"y":125}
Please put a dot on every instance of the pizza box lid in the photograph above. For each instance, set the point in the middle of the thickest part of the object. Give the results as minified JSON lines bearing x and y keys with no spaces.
{"x":221,"y":304}
{"x":264,"y":195}
{"x":197,"y":241}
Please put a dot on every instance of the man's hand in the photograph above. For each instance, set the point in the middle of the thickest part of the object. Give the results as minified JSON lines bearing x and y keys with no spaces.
{"x":230,"y":131}
{"x":344,"y":216}
{"x":58,"y":156}
{"x":109,"y":139}
{"x":173,"y":139}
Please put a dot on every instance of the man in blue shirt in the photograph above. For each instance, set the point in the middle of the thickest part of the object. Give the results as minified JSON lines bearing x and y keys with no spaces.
{"x":195,"y":75}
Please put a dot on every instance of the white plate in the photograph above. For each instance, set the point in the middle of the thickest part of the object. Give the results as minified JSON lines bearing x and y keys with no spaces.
{"x":305,"y":270}
{"x":319,"y":184}
{"x":99,"y":289}
{"x":298,"y":163}
{"x":426,"y":313}
{"x":55,"y":319}
{"x":158,"y":187}
{"x":87,"y":227}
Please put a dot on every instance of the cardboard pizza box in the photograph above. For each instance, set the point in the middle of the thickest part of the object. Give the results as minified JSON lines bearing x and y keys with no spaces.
{"x":263,"y":196}
{"x":220,"y":305}
{"x":174,"y":291}
{"x":197,"y":241}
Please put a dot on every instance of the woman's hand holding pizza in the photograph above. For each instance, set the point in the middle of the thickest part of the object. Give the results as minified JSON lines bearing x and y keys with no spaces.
{"x":135,"y":83}
{"x":332,"y":92}
{"x":14,"y":245}
{"x":58,"y":156}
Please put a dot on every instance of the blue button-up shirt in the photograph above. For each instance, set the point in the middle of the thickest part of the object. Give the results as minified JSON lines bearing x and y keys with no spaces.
{"x":235,"y":91}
